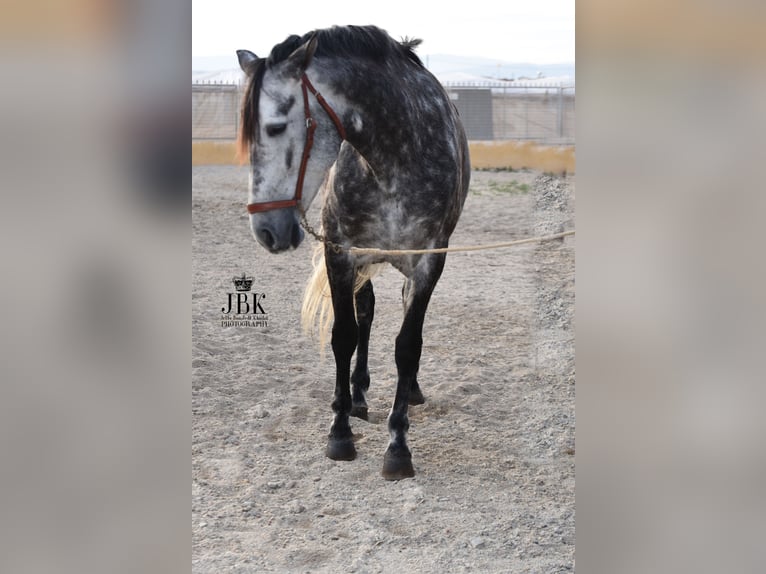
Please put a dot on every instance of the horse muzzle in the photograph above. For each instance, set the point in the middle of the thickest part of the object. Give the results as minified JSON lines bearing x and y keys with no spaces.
{"x":277,"y":232}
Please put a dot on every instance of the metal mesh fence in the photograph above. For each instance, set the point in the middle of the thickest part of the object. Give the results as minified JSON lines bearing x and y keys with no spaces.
{"x":539,"y":113}
{"x":493,"y":111}
{"x":215,"y":111}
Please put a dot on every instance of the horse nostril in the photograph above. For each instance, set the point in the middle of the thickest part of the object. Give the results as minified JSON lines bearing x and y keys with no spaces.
{"x":297,"y":235}
{"x":266,"y":238}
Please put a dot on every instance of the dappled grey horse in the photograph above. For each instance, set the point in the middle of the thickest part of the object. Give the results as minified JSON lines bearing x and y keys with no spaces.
{"x":355,"y":114}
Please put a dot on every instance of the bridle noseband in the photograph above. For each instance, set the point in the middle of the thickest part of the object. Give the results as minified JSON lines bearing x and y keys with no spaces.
{"x":310,"y":129}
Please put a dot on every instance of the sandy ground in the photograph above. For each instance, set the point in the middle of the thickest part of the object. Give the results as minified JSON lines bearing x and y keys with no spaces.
{"x":493,"y":447}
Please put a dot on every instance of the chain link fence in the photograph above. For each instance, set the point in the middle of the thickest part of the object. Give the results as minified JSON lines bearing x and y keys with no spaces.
{"x":536,"y":112}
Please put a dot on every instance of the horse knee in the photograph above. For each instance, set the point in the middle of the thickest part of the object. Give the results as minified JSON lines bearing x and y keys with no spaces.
{"x":344,"y":338}
{"x":408,"y":350}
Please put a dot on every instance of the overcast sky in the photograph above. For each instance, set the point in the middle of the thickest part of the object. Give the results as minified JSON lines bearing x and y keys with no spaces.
{"x":536,"y":31}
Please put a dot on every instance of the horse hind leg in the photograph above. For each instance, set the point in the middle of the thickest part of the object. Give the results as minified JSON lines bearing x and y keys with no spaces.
{"x":360,"y":378}
{"x":397,"y":461}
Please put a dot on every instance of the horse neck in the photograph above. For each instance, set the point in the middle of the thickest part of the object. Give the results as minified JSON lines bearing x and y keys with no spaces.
{"x":369,"y":112}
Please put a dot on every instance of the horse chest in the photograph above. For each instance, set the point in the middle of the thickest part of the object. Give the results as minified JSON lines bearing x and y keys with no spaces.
{"x":387,"y":222}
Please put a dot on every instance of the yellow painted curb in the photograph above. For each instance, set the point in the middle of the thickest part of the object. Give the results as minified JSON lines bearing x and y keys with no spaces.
{"x":519,"y":155}
{"x":489,"y":154}
{"x":214,"y":153}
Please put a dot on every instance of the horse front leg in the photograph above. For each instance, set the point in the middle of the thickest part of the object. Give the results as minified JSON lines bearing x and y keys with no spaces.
{"x":340,"y":272}
{"x":360,"y":378}
{"x":416,"y":395}
{"x":397,"y":461}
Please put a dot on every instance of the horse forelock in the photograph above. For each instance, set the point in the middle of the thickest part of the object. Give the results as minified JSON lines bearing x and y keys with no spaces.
{"x":248,"y":121}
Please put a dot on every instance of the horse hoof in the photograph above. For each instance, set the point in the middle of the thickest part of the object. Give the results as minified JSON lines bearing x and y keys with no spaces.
{"x":416,"y":397}
{"x":340,"y":449}
{"x":397,"y":467}
{"x":359,"y":412}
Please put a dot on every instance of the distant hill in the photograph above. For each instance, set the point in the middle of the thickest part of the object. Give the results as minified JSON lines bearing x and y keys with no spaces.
{"x":442,"y":65}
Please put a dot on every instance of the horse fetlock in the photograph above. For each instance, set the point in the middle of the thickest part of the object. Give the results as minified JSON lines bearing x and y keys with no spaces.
{"x":360,"y":411}
{"x":359,"y":403}
{"x":341,"y":405}
{"x":398,"y":425}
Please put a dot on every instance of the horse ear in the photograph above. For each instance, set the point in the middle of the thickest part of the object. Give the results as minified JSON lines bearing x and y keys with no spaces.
{"x":299,"y":60}
{"x":247,"y":61}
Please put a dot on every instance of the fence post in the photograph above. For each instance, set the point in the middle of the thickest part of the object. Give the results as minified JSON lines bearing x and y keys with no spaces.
{"x":560,"y":117}
{"x":526,"y":113}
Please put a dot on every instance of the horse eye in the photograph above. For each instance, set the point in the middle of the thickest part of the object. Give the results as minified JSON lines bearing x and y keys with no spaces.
{"x":275,"y":129}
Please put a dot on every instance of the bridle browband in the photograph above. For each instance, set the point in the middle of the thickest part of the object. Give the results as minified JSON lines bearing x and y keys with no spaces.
{"x":310,"y":128}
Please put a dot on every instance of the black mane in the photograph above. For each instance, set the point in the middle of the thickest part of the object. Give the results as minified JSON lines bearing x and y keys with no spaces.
{"x":368,"y":42}
{"x":348,"y":41}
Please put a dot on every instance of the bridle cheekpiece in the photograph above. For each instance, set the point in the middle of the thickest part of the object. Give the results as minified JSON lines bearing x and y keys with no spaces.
{"x":310,"y":129}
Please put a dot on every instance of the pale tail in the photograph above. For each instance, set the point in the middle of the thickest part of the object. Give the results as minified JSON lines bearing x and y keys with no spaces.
{"x":317,"y":314}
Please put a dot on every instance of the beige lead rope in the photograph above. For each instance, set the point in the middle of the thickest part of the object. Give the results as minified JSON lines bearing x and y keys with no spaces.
{"x":375,"y":251}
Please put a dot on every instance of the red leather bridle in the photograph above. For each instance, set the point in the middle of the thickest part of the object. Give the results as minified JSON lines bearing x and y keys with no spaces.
{"x":310,"y":128}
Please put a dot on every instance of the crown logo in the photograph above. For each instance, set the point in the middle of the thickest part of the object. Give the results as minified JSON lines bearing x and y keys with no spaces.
{"x":243,"y":283}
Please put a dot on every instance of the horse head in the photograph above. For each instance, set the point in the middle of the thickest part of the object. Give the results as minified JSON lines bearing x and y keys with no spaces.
{"x":277,"y":136}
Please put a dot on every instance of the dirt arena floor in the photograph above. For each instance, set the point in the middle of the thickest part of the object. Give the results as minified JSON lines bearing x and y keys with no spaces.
{"x":493,"y":447}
